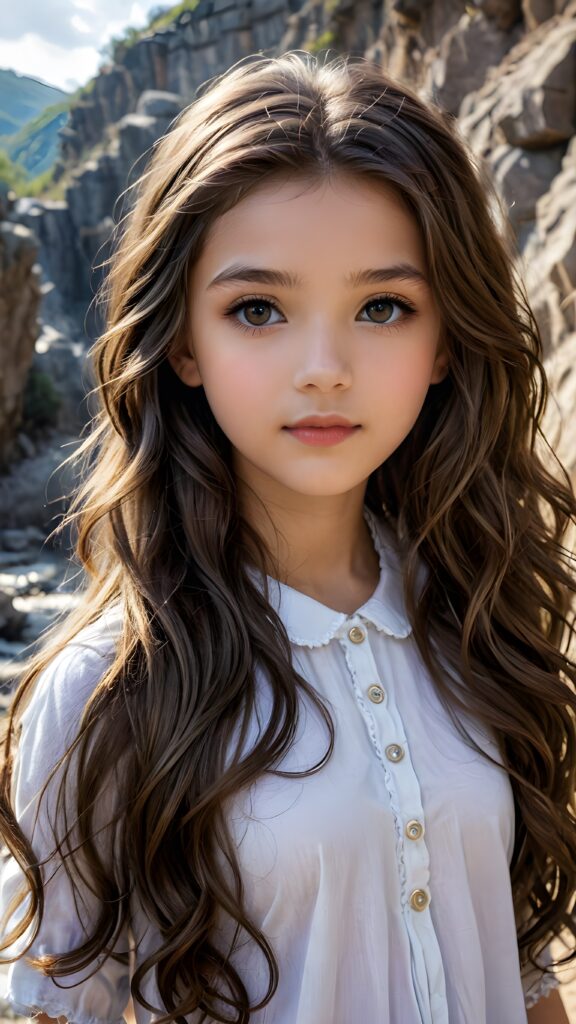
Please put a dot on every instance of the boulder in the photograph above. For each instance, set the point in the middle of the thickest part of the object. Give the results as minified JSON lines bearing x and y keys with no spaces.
{"x":538,"y":108}
{"x":530,"y":99}
{"x":161,"y":104}
{"x":35,"y":491}
{"x":522,"y":176}
{"x":137,"y":133}
{"x":466,"y":52}
{"x":12,"y":621}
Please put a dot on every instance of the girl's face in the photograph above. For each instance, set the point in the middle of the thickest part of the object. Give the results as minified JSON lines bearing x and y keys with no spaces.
{"x":269,"y":352}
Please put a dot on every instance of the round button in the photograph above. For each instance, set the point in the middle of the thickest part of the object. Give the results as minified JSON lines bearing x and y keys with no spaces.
{"x":376,"y":693}
{"x":356,"y":635}
{"x":394,"y":752}
{"x":419,"y":899}
{"x":414,"y":829}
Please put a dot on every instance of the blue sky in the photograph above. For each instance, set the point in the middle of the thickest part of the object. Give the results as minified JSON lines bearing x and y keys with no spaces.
{"x":58,"y":41}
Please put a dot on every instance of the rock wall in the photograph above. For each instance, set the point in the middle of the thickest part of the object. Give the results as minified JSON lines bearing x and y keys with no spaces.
{"x":19,"y":303}
{"x":176,"y":59}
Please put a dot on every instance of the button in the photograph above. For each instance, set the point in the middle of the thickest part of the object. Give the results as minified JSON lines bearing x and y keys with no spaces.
{"x":376,"y":693}
{"x":419,"y":899}
{"x":356,"y":635}
{"x":394,"y":752}
{"x":414,"y":829}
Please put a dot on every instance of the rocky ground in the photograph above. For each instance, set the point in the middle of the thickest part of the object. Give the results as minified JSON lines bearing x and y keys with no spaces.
{"x":37,"y":584}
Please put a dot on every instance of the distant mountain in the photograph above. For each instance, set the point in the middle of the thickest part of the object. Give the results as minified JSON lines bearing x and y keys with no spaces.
{"x":35,"y":146}
{"x":22,"y":98}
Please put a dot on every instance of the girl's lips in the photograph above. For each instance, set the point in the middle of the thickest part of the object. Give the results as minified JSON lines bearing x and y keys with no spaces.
{"x":321,"y":436}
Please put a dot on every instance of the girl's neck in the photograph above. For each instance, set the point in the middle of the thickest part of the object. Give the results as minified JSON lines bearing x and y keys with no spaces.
{"x":327,"y":553}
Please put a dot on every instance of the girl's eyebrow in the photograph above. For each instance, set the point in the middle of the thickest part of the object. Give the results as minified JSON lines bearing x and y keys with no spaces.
{"x":239,"y":274}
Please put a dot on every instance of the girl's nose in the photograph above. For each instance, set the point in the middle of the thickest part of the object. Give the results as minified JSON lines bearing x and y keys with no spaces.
{"x":323,"y":361}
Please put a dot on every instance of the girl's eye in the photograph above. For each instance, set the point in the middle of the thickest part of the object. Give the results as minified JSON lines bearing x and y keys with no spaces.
{"x":383,"y":307}
{"x":258,"y":307}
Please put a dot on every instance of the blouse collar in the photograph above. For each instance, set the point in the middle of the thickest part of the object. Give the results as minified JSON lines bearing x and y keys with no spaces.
{"x":309,"y":623}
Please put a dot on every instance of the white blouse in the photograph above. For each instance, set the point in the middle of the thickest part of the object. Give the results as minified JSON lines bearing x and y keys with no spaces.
{"x":381,"y":881}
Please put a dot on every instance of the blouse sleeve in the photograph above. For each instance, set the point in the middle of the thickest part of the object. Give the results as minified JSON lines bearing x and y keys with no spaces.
{"x":537,"y":984}
{"x":49,"y":724}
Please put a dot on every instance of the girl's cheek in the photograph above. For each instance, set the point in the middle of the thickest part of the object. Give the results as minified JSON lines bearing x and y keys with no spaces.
{"x":404,"y":380}
{"x":238,"y":382}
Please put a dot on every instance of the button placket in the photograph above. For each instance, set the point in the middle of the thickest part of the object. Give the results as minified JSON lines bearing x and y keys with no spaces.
{"x":387,"y":734}
{"x":386,"y":731}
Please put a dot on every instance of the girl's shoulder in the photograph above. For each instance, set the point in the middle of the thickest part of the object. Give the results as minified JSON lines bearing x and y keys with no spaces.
{"x":65,"y":684}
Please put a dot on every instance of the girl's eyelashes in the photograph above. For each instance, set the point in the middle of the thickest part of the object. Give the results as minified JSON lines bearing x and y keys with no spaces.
{"x":387,"y":300}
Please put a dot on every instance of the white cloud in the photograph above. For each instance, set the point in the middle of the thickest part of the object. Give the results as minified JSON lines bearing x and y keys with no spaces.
{"x":64,"y":48}
{"x":78,"y":23}
{"x":138,"y":15}
{"x":137,"y":18}
{"x":55,"y":65}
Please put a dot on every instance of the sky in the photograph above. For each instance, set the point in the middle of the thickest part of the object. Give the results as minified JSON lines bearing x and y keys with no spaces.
{"x":58,"y":41}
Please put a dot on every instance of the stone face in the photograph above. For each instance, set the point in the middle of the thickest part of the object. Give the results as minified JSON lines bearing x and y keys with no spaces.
{"x":523,"y":176}
{"x":59,"y":252}
{"x":561,"y":369}
{"x":504,"y":13}
{"x":466,"y":52}
{"x":63,"y":360}
{"x":32,"y":492}
{"x":154,"y":103}
{"x":549,"y":255}
{"x":529,"y":100}
{"x":93,"y":192}
{"x":137,"y":133}
{"x":519,"y":122}
{"x":536,"y":12}
{"x":19,"y":304}
{"x":539,"y":106}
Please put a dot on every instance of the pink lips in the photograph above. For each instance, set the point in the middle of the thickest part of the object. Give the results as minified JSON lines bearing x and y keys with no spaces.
{"x":322,"y":430}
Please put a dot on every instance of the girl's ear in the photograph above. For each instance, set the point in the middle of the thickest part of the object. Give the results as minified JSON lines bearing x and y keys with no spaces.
{"x":441,"y":365}
{"x":182,"y":361}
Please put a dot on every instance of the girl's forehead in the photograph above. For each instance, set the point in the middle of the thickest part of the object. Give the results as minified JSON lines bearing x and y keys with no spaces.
{"x":337,"y":218}
{"x":340,"y":187}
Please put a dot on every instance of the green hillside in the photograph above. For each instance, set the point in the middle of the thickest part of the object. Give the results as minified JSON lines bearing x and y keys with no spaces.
{"x":35,"y":146}
{"x":22,"y":98}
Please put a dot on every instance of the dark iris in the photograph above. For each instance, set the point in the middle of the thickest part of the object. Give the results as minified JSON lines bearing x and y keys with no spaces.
{"x":381,"y":302}
{"x":258,"y":305}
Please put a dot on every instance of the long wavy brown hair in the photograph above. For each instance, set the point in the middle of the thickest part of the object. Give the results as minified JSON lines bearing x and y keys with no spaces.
{"x":474,"y":490}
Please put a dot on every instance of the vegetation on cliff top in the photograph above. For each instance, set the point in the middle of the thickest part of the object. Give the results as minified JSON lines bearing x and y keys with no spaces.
{"x":27,"y":157}
{"x":158,"y":18}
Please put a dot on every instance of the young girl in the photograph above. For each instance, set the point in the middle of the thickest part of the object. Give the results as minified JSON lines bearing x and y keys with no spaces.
{"x":305,"y":753}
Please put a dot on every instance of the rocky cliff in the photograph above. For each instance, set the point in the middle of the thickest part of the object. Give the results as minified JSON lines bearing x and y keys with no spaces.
{"x":19,"y":304}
